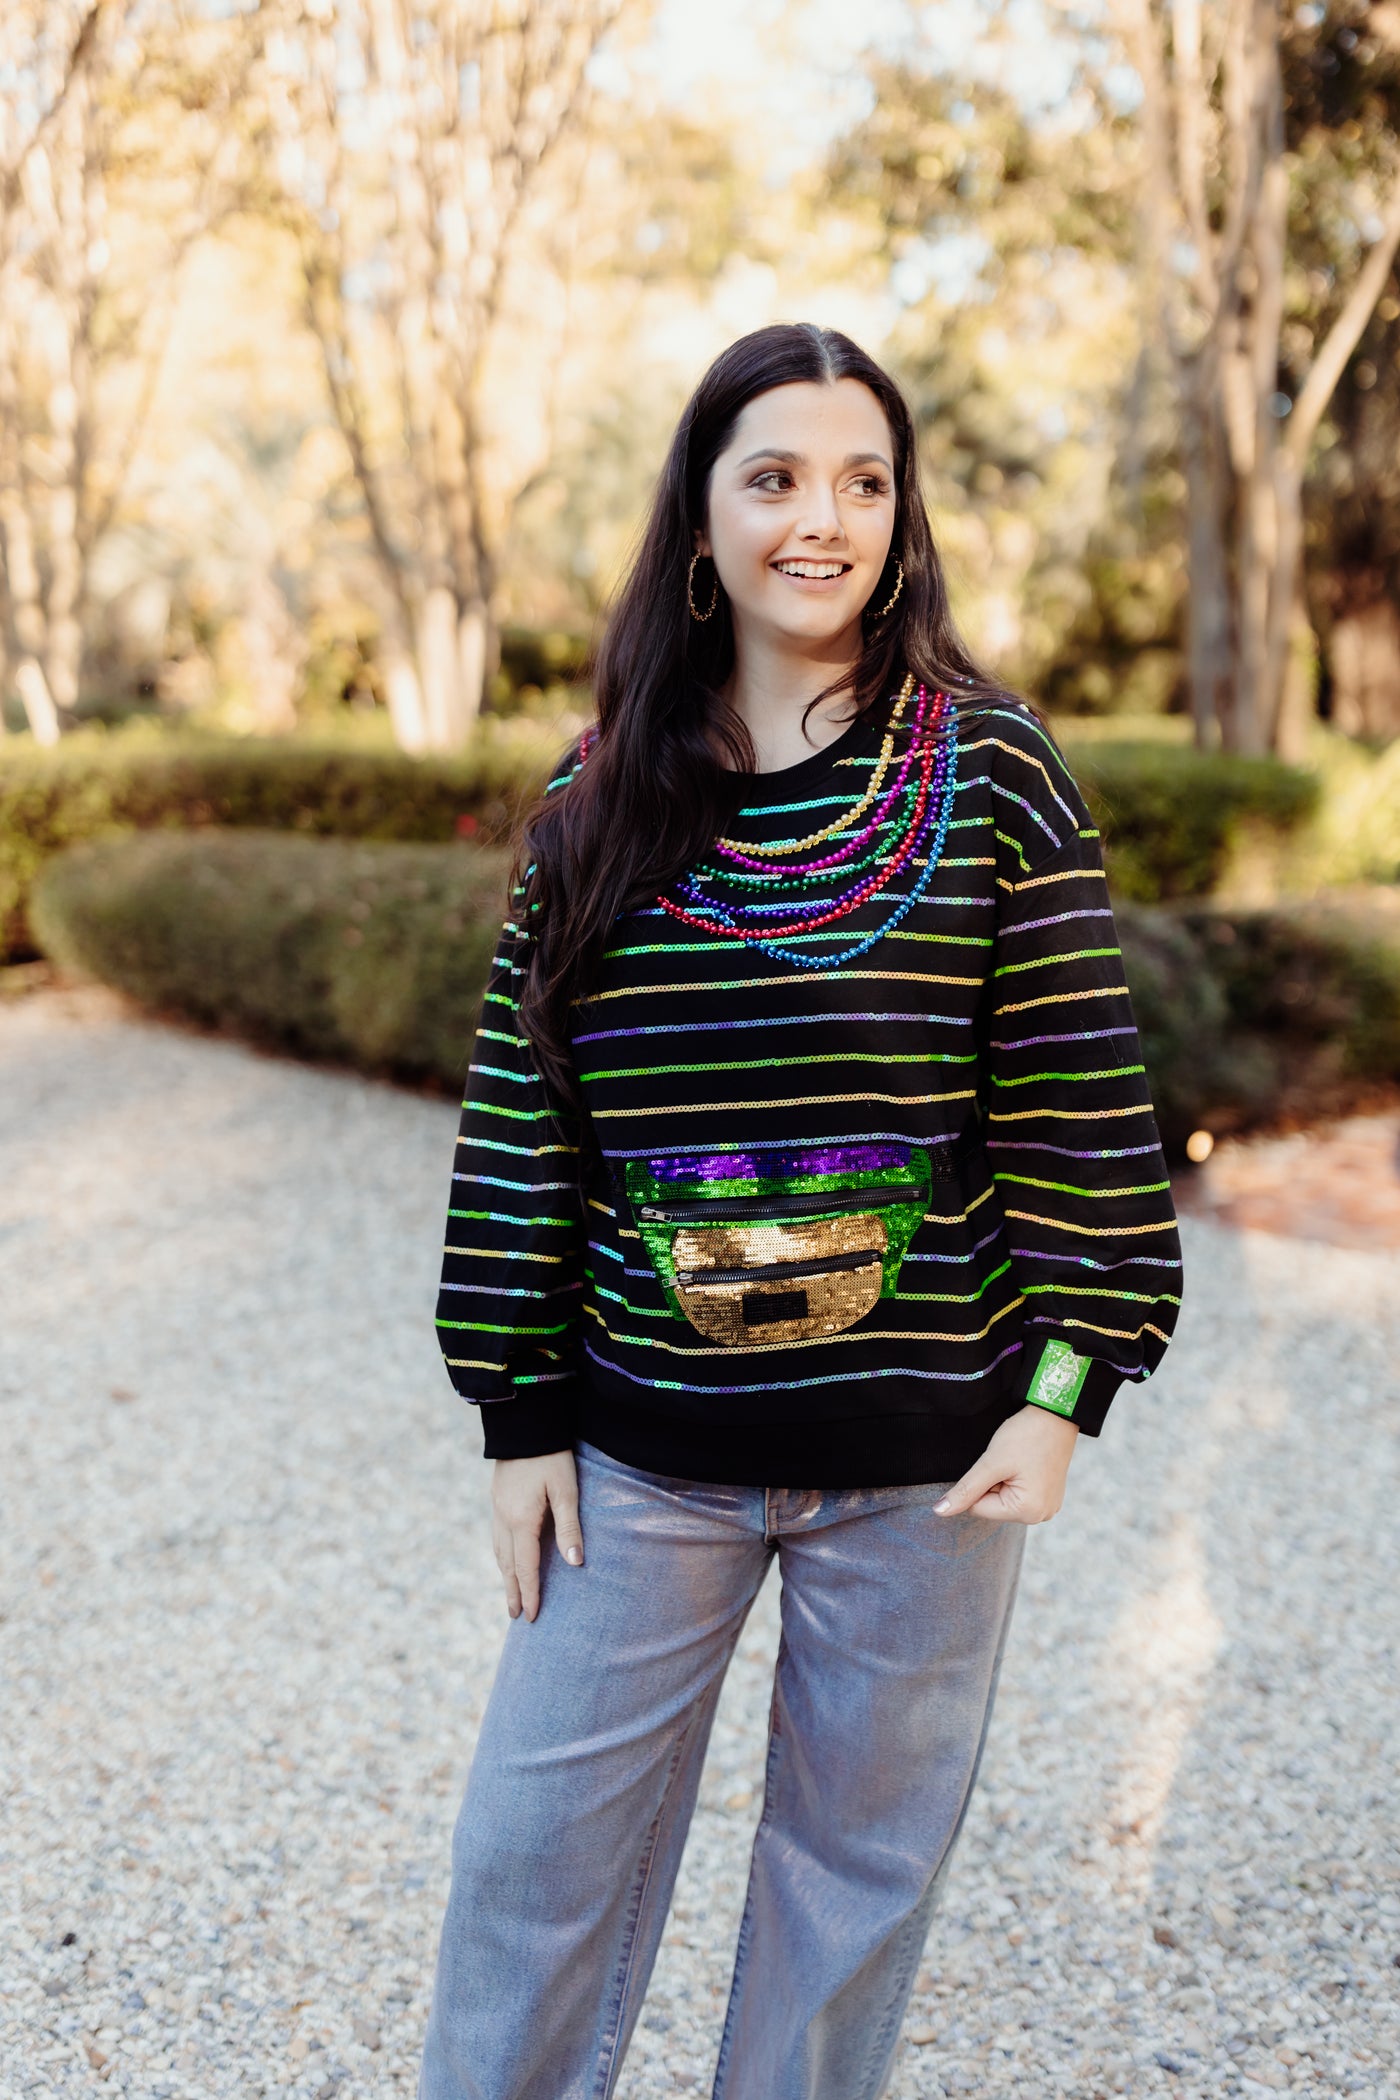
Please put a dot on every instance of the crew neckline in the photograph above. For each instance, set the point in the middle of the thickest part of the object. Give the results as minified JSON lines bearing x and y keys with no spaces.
{"x":774,"y":784}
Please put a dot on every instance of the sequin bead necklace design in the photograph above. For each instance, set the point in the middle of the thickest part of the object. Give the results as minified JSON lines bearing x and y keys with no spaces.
{"x":911,"y":801}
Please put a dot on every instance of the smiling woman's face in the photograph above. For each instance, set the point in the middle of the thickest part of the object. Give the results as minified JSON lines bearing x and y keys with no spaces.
{"x":801,"y":511}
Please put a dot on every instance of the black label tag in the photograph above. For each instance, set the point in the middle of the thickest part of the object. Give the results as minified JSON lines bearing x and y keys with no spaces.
{"x":766,"y":1308}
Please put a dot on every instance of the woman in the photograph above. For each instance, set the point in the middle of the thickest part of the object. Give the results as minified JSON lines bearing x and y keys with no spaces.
{"x":808,"y":1205}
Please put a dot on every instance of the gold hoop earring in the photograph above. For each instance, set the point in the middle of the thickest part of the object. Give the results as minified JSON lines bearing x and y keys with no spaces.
{"x":695,"y":612}
{"x":888,"y":606}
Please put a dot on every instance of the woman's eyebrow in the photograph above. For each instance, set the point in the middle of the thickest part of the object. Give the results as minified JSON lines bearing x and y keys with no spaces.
{"x":799,"y":459}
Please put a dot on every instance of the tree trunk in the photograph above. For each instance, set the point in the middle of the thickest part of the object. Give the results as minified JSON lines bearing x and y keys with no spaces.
{"x":33,"y":690}
{"x":404,"y":692}
{"x":1364,"y":659}
{"x":1284,"y":634}
{"x":273,"y":656}
{"x":1297,"y":709}
{"x":451,"y":657}
{"x":1209,"y":638}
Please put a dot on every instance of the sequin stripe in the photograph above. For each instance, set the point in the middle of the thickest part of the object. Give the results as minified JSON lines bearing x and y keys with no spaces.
{"x":852,"y":1336}
{"x":785,"y":1385}
{"x":1095,"y":991}
{"x":764,"y":984}
{"x":611,"y":1035}
{"x":955,"y":1297}
{"x":506,"y":1290}
{"x":1096,"y":1290}
{"x":503,"y":1072}
{"x":1059,"y":918}
{"x":1068,"y":1115}
{"x":478,"y":1363}
{"x":492,"y":1327}
{"x":1036,"y":765}
{"x":1068,"y":1078}
{"x":1067,"y":1188}
{"x":734,"y":1108}
{"x":1065,"y":1151}
{"x":1009,"y":795}
{"x":765,"y":1064}
{"x":620,"y":1153}
{"x":514,"y":1115}
{"x":1035,"y":882}
{"x":1129,"y":1260}
{"x":1092,"y":1232}
{"x":1079,"y":1035}
{"x":474,"y":1138}
{"x":505,"y":1217}
{"x":504,"y":1253}
{"x":1052,"y":962}
{"x":524,"y":1188}
{"x":1112,"y":1334}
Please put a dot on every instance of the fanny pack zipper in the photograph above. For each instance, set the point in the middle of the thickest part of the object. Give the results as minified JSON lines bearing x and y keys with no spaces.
{"x":780,"y":1271}
{"x":758,"y":1210}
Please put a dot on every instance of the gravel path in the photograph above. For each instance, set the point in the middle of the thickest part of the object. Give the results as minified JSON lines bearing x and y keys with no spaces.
{"x":249,"y":1619}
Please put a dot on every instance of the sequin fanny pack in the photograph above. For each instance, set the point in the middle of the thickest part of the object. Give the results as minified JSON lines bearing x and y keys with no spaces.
{"x":756,"y":1249}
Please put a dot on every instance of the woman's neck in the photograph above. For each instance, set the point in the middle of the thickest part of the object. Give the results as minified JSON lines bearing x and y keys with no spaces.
{"x":770,"y":690}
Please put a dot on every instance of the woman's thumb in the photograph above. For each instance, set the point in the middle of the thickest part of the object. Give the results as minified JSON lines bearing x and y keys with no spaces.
{"x":973,"y":1485}
{"x":568,"y":1533}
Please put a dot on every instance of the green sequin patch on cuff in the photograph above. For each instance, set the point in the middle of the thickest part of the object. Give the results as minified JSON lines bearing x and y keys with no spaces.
{"x":1058,"y":1378}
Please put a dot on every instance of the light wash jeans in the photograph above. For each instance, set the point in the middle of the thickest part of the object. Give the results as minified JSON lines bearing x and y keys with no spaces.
{"x":586,"y":1772}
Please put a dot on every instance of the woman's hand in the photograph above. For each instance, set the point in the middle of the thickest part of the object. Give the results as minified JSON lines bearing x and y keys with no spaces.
{"x":523,"y":1492}
{"x":1020,"y":1477}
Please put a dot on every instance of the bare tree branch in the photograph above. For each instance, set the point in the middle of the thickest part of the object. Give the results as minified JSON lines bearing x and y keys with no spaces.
{"x":1345,"y":333}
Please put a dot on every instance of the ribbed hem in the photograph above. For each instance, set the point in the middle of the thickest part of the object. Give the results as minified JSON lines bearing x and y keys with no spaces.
{"x":1093,"y":1400}
{"x":858,"y":1451}
{"x":533,"y":1423}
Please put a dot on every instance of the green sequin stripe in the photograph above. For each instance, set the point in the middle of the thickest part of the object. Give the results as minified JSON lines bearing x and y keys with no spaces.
{"x":902,"y":1220}
{"x":786,"y":1184}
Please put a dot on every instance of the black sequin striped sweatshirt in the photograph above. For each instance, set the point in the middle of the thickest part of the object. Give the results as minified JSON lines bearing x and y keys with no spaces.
{"x":876,"y":1163}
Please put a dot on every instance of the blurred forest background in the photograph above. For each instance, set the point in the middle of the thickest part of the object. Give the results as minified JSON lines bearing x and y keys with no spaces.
{"x":340,"y":342}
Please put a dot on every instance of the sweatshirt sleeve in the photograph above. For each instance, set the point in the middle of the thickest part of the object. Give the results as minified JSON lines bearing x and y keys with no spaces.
{"x":513,"y":1261}
{"x":1071,"y":1133}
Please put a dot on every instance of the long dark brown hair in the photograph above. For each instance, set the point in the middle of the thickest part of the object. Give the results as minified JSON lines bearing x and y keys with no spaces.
{"x":655,"y":789}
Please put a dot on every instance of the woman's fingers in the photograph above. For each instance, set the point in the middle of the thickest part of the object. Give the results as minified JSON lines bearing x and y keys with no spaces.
{"x":526,"y":1492}
{"x":526,"y":1543}
{"x":563,"y":1503}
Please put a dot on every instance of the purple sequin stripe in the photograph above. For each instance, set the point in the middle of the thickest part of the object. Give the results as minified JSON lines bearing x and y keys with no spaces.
{"x":747,"y":1166}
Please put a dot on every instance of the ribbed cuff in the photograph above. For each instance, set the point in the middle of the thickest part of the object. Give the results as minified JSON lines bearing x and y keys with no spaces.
{"x":533,"y":1423}
{"x":1091,"y":1402}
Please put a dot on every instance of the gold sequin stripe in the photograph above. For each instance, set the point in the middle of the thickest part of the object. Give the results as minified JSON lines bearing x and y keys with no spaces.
{"x":725,"y":1108}
{"x":803,"y":977}
{"x":852,"y":816}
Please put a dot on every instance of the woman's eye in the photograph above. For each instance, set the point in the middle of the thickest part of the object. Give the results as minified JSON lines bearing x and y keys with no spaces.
{"x":768,"y":476}
{"x":871,"y":485}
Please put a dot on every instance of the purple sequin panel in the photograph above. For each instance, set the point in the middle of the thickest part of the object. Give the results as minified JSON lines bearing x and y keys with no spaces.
{"x":750,"y":1166}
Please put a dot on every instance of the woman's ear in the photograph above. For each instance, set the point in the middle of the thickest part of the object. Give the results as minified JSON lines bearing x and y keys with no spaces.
{"x":701,"y":543}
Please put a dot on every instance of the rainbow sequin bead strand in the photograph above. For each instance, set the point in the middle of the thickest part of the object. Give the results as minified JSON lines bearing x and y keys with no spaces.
{"x":924,"y":781}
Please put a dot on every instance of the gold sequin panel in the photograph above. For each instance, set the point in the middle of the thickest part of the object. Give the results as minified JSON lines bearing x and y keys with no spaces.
{"x":764,"y":1284}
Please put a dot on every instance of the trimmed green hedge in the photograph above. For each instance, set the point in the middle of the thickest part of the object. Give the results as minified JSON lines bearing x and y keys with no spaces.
{"x":1175,"y":820}
{"x":1250,"y":1018}
{"x":376,"y":954}
{"x":96,"y":787}
{"x":368,"y":953}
